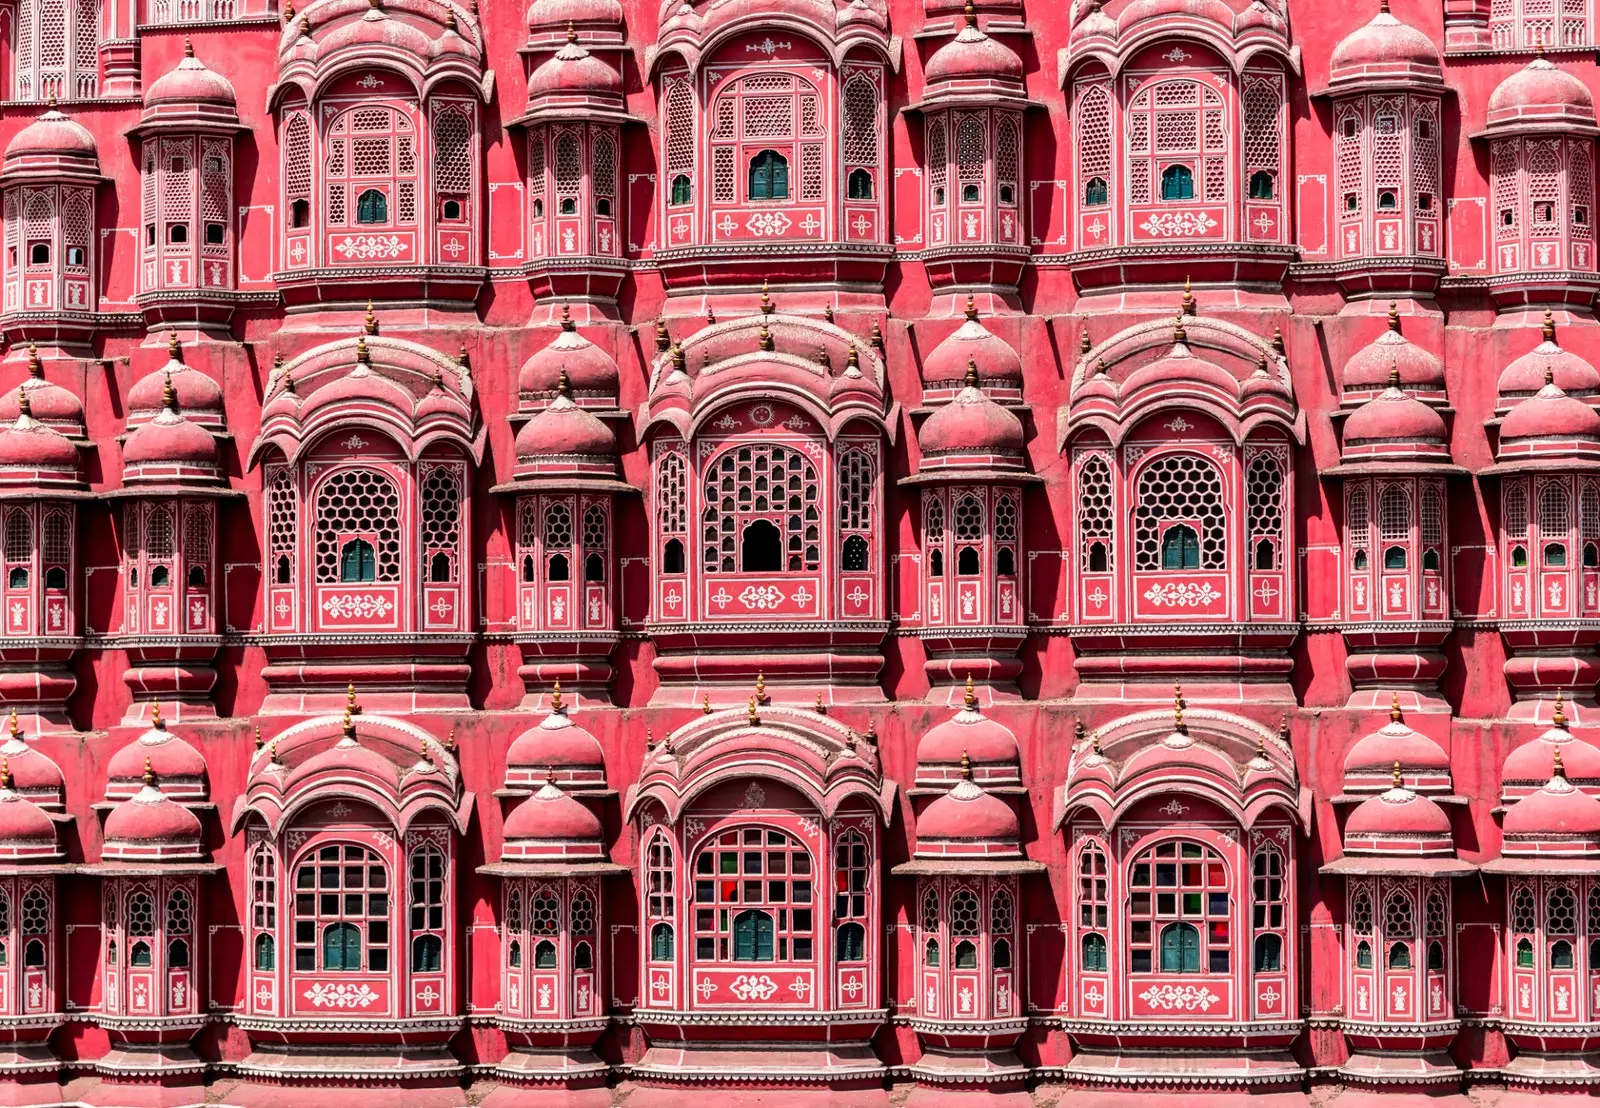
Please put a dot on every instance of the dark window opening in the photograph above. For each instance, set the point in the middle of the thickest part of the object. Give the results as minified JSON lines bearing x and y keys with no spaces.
{"x":1005,"y":562}
{"x":1436,"y":955}
{"x":357,"y":562}
{"x":76,"y":256}
{"x":1266,"y":554}
{"x":860,"y":185}
{"x":1524,"y":954}
{"x":1180,"y":548}
{"x":514,"y":955}
{"x":1269,"y":953}
{"x":681,"y":192}
{"x":160,"y":577}
{"x":450,"y":209}
{"x":538,"y":209}
{"x":1561,"y":955}
{"x":936,"y":563}
{"x":855,"y":554}
{"x":761,"y":548}
{"x":969,"y":194}
{"x":426,"y":954}
{"x":583,"y":956}
{"x":851,"y":943}
{"x":372,"y":206}
{"x":216,"y":234}
{"x":1008,"y":195}
{"x":1430,"y":560}
{"x":1580,"y":214}
{"x":1361,"y":559}
{"x":930,"y":953}
{"x":1507,"y":219}
{"x":1352,"y":203}
{"x":1261,"y":185}
{"x":1350,"y":127}
{"x":149,"y":234}
{"x":139,"y":954}
{"x":300,"y":213}
{"x":55,"y":578}
{"x":39,"y":253}
{"x":594,"y":568}
{"x":1000,"y":954}
{"x":1094,"y":192}
{"x":966,"y":955}
{"x":197,"y":577}
{"x":602,"y":206}
{"x":439,"y":567}
{"x":1394,"y":557}
{"x":177,"y":954}
{"x":285,"y":570}
{"x":1177,"y":183}
{"x":18,"y":578}
{"x":33,"y":954}
{"x":1555,"y":554}
{"x":769,"y":176}
{"x":938,"y":197}
{"x":967,"y":562}
{"x":569,"y":205}
{"x":1399,"y":956}
{"x":1363,"y":955}
{"x":544,"y":955}
{"x":178,"y":232}
{"x":1424,"y":201}
{"x":672,"y":556}
{"x":1591,"y":556}
{"x":1519,"y":556}
{"x":1098,"y":560}
{"x":558,"y":568}
{"x":1388,"y":201}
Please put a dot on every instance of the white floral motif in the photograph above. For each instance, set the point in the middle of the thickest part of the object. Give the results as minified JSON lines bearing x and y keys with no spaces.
{"x":751,"y":987}
{"x":762,"y":598}
{"x":1177,"y":224}
{"x":1180,"y":998}
{"x":357,"y":607}
{"x":769,"y":223}
{"x":1181,"y":594}
{"x":340,"y":996}
{"x":368,"y":247}
{"x":767,"y":46}
{"x":754,"y":796}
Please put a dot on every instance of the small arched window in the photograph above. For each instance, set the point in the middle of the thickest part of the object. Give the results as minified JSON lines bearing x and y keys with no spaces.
{"x":1363,"y":955}
{"x":33,"y":954}
{"x":1519,"y":556}
{"x":968,"y":562}
{"x":1177,"y":183}
{"x":372,"y":206}
{"x":672,"y":556}
{"x":39,"y":253}
{"x":1436,"y":955}
{"x":1555,"y":553}
{"x":357,"y":562}
{"x":1000,"y":954}
{"x":860,"y":185}
{"x":1261,"y":185}
{"x":1561,"y":955}
{"x":681,"y":191}
{"x":266,"y":953}
{"x":1524,"y":954}
{"x":426,"y":954}
{"x":341,"y":948}
{"x":661,"y":942}
{"x":1400,"y":956}
{"x":139,"y":955}
{"x":1394,"y":557}
{"x":560,"y":568}
{"x":1269,"y":953}
{"x":1094,"y":192}
{"x":851,"y":943}
{"x":966,"y":955}
{"x":1180,"y":548}
{"x":1180,"y":949}
{"x":752,"y":936}
{"x":855,"y":554}
{"x":178,"y":954}
{"x":300,"y":213}
{"x":1094,"y":953}
{"x":769,"y":176}
{"x":544,"y":955}
{"x":930,"y":953}
{"x":761,"y":548}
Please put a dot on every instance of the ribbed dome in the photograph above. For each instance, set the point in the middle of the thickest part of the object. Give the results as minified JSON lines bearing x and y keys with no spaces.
{"x":971,"y":344}
{"x":551,"y":815}
{"x":557,"y":749}
{"x":1397,"y":821}
{"x":28,"y":445}
{"x":971,"y":423}
{"x":191,"y":82}
{"x":1384,"y":46}
{"x":33,"y":774}
{"x":1557,"y":811}
{"x":1540,"y":97}
{"x":1528,"y":766}
{"x":973,"y":56}
{"x":151,"y":823}
{"x":589,"y":369}
{"x":572,"y":69}
{"x":25,"y":829}
{"x":197,"y":395}
{"x":176,"y":764}
{"x":967,"y":814}
{"x":1527,"y":374}
{"x":1422,"y":761}
{"x":563,"y":428}
{"x":969,"y":739}
{"x":49,"y":403}
{"x":1550,"y":413}
{"x":54,"y":135}
{"x":1395,"y":418}
{"x":170,"y":438}
{"x":1369,"y":368}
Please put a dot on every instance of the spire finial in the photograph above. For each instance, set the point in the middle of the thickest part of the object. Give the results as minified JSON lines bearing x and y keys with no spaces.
{"x":427,"y":755}
{"x":711,"y":315}
{"x":272,"y":752}
{"x":1178,"y":706}
{"x":188,"y":47}
{"x":764,"y":339}
{"x":1558,"y":770}
{"x":11,"y":728}
{"x":1394,"y":316}
{"x":1547,"y":330}
{"x":1395,"y":773}
{"x":24,"y":405}
{"x":1394,"y":708}
{"x":1188,"y":297}
{"x":450,"y":23}
{"x":174,"y":347}
{"x":761,"y":687}
{"x":349,"y":724}
{"x":305,"y":25}
{"x":1394,"y":373}
{"x":149,"y":773}
{"x":566,"y":318}
{"x":705,"y":703}
{"x":853,"y":359}
{"x":370,"y":324}
{"x":972,"y":306}
{"x":1277,"y":341}
{"x":677,"y":357}
{"x":155,"y":716}
{"x":258,"y":736}
{"x":827,"y":312}
{"x":663,"y":340}
{"x":1559,"y":716}
{"x":1180,"y":335}
{"x":820,"y":707}
{"x":1383,"y":6}
{"x":556,"y":707}
{"x":34,"y":368}
{"x":877,"y":338}
{"x":169,"y":395}
{"x":971,"y":380}
{"x":572,"y":32}
{"x":755,"y":718}
{"x":5,"y":774}
{"x":966,"y":762}
{"x":767,"y":306}
{"x":450,"y":739}
{"x":970,"y":698}
{"x":564,"y":385}
{"x":1261,"y":745}
{"x":1094,"y":741}
{"x":362,"y":357}
{"x":350,"y":699}
{"x":1084,"y":345}
{"x":971,"y":14}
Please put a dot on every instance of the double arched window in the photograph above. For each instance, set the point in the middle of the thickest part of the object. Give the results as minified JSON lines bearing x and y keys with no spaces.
{"x":1179,"y":910}
{"x":341,"y":911}
{"x":755,"y":898}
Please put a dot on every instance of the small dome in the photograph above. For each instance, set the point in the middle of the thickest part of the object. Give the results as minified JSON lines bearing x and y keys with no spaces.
{"x":151,"y":825}
{"x":558,"y":750}
{"x":27,"y":446}
{"x":971,"y":344}
{"x":1550,"y":414}
{"x":1384,"y":47}
{"x":1540,"y":97}
{"x":1528,"y":766}
{"x":197,"y":395}
{"x":1369,"y":369}
{"x":53,"y":135}
{"x":573,"y":70}
{"x":176,"y":764}
{"x":25,"y":829}
{"x":1398,"y":821}
{"x":33,"y":774}
{"x":1395,"y":420}
{"x":973,"y":56}
{"x":551,"y":816}
{"x":971,"y":424}
{"x":1370,"y":762}
{"x":191,"y":82}
{"x":51,"y":404}
{"x":564,"y":429}
{"x":967,"y":820}
{"x":1527,"y":374}
{"x":969,"y":742}
{"x":1557,"y":811}
{"x":589,"y":369}
{"x":169,"y":438}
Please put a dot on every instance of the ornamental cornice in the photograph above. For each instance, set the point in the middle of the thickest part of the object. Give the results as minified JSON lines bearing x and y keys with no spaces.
{"x":1176,"y":1029}
{"x":1437,"y":1027}
{"x":962,"y":1027}
{"x":746,"y":627}
{"x":752,"y":1018}
{"x":398,"y":1025}
{"x":147,"y":1023}
{"x":724,"y":1078}
{"x":551,"y":1026}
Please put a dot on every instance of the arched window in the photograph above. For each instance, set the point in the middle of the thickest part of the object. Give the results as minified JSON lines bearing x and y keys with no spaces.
{"x":661,"y":942}
{"x":441,"y":521}
{"x":860,"y":185}
{"x":372,"y":206}
{"x":428,"y":872}
{"x":371,"y":167}
{"x":969,"y":528}
{"x":1095,"y":517}
{"x":1177,"y":183}
{"x":426,"y":954}
{"x":1094,"y":953}
{"x":679,"y":117}
{"x":1399,"y":926}
{"x":1261,"y":183}
{"x":1180,"y":548}
{"x":769,"y":176}
{"x":594,"y":542}
{"x":452,"y":161}
{"x":569,"y":172}
{"x":971,"y":146}
{"x":851,"y":943}
{"x":1179,"y":487}
{"x":1269,"y":953}
{"x":1186,"y":882}
{"x":760,"y":548}
{"x":773,"y":484}
{"x":965,"y":925}
{"x":681,"y":193}
{"x":754,"y":893}
{"x":350,"y":910}
{"x":359,"y":504}
{"x":933,"y":533}
{"x":659,"y":901}
{"x":266,"y":954}
{"x":1094,"y":192}
{"x":356,"y":562}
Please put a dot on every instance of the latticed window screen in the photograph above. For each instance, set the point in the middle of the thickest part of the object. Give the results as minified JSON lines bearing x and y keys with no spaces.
{"x":1554,"y":518}
{"x":536,"y":172}
{"x":215,"y":186}
{"x":970,"y":143}
{"x":938,"y":158}
{"x":1349,"y":127}
{"x":57,"y":539}
{"x":1432,"y":530}
{"x":1263,"y":141}
{"x":1357,"y":518}
{"x":672,"y":495}
{"x":1178,"y":125}
{"x":1436,"y":916}
{"x":1529,"y":24}
{"x":1524,"y":913}
{"x":141,"y":915}
{"x":776,"y":112}
{"x":855,"y":491}
{"x":581,"y":913}
{"x":558,"y":526}
{"x":1264,"y":499}
{"x":1005,"y":520}
{"x":281,"y":523}
{"x":1361,"y":913}
{"x":860,"y":122}
{"x":1094,"y":140}
{"x":371,"y":167}
{"x":1580,"y":190}
{"x":19,"y":537}
{"x":158,"y":535}
{"x":357,"y":505}
{"x":1006,"y":147}
{"x":1394,"y":514}
{"x":1095,"y":516}
{"x":680,"y":139}
{"x":341,"y":911}
{"x":297,"y":158}
{"x":933,"y":521}
{"x":1506,"y":186}
{"x":180,"y":913}
{"x":1514,"y":509}
{"x":76,"y":217}
{"x":1425,"y":154}
{"x":57,"y":50}
{"x":1179,"y":487}
{"x":569,"y":171}
{"x":441,"y":522}
{"x":603,"y":168}
{"x":452,"y":152}
{"x":197,"y":542}
{"x":761,"y":484}
{"x":1399,"y":920}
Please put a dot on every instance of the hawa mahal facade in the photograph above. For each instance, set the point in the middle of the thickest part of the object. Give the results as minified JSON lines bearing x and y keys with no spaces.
{"x":799,"y":551}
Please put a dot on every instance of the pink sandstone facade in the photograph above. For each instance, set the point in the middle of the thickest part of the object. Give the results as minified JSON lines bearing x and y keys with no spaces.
{"x":798,"y":552}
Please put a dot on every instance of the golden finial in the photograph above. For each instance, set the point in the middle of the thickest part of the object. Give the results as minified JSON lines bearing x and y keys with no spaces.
{"x":1558,"y":717}
{"x":305,"y":25}
{"x":877,"y":338}
{"x":1261,"y":746}
{"x":12,"y":728}
{"x":1084,"y":345}
{"x":767,"y":306}
{"x":564,"y":385}
{"x":970,"y":698}
{"x":1558,"y":770}
{"x":677,"y":357}
{"x":1188,"y":297}
{"x":1079,"y":731}
{"x":361,"y":350}
{"x":971,"y":380}
{"x":1177,"y":710}
{"x":450,"y":739}
{"x":1394,"y":374}
{"x":1394,"y":708}
{"x":24,"y":405}
{"x":1395,"y":773}
{"x":555,"y":700}
{"x":823,"y":360}
{"x":34,"y":368}
{"x":174,"y":347}
{"x":1283,"y":730}
{"x":1548,"y":330}
{"x":755,"y":719}
{"x":1100,"y":368}
{"x":1180,"y":334}
{"x":1394,"y":316}
{"x":350,"y":699}
{"x":761,"y":687}
{"x":272,"y":752}
{"x":288,"y":10}
{"x":872,"y":733}
{"x":566,"y":319}
{"x":438,"y":378}
{"x":349,"y":725}
{"x":966,"y":762}
{"x":258,"y":736}
{"x":1277,"y":341}
{"x":853,"y":359}
{"x":370,"y":324}
{"x":450,"y":23}
{"x":288,"y":382}
{"x":149,"y":773}
{"x":705,"y":703}
{"x":827,"y":312}
{"x":764,"y":340}
{"x":155,"y":716}
{"x":711,"y":316}
{"x":169,"y":397}
{"x":463,"y":359}
{"x":188,"y":47}
{"x":820,"y":708}
{"x":427,"y":755}
{"x":1094,"y":741}
{"x":572,"y":32}
{"x":663,"y":340}
{"x":972,"y":307}
{"x":5,"y":774}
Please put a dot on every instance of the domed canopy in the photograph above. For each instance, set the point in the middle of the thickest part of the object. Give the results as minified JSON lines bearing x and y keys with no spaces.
{"x":1398,"y":831}
{"x":1549,"y":430}
{"x":552,"y":827}
{"x":973,"y":69}
{"x":969,"y":742}
{"x":547,"y":16}
{"x":574,"y":84}
{"x":1384,"y":54}
{"x":1527,"y":767}
{"x":52,"y":405}
{"x":944,"y":371}
{"x":564,"y":441}
{"x":1367,"y":372}
{"x":151,"y":827}
{"x":33,"y":774}
{"x":1540,"y":99}
{"x":971,"y":438}
{"x":557,"y":750}
{"x":1424,"y":765}
{"x":198,"y":397}
{"x":1559,"y":820}
{"x":27,"y":833}
{"x":968,"y":831}
{"x":34,"y":457}
{"x":1527,"y":374}
{"x":591,"y":373}
{"x":52,"y":148}
{"x":1396,"y":433}
{"x":169,"y":449}
{"x":190,"y":96}
{"x":177,"y":765}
